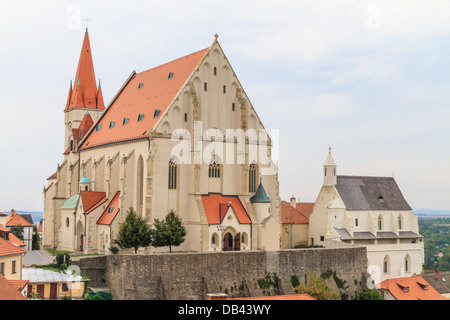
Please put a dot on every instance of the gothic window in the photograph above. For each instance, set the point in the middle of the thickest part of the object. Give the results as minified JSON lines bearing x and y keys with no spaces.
{"x":140,"y":184}
{"x":325,"y":171}
{"x":172,"y":175}
{"x":407,"y":263}
{"x":386,"y":265}
{"x":252,"y":178}
{"x":380,"y":223}
{"x":400,"y":223}
{"x":214,"y":169}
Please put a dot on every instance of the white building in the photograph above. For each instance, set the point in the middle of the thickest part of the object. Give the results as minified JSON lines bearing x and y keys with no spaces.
{"x":370,"y":212}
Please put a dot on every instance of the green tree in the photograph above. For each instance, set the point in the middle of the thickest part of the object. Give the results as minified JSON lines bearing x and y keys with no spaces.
{"x":168,"y":232}
{"x":17,"y":230}
{"x":316,"y":287}
{"x":134,"y":232}
{"x":36,"y":239}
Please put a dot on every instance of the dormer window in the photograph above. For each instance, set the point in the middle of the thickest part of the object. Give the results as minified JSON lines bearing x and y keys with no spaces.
{"x":140,"y":85}
{"x":140,"y":117}
{"x":170,"y":75}
{"x":111,"y":124}
{"x":98,"y":127}
{"x":381,"y":199}
{"x":110,"y":210}
{"x":125,"y":121}
{"x":157,"y":112}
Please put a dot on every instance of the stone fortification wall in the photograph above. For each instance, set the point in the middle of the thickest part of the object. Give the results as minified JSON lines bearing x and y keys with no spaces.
{"x":194,"y":275}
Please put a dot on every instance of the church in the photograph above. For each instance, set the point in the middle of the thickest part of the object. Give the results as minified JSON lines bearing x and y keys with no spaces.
{"x":181,"y":136}
{"x":371,"y":212}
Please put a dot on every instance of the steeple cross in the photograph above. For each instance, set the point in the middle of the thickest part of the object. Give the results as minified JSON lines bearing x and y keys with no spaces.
{"x":87,"y":21}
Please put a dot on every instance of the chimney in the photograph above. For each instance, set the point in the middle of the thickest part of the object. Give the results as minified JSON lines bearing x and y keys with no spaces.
{"x":13,"y":212}
{"x":293,"y":201}
{"x":436,"y":272}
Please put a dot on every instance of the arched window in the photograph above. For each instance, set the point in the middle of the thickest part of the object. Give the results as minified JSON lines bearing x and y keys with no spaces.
{"x":400,"y":222}
{"x":172,"y":175}
{"x":407,"y":263}
{"x":252,"y":178}
{"x":386,"y":264}
{"x":140,"y":184}
{"x":86,"y":188}
{"x":214,"y":169}
{"x":380,"y":223}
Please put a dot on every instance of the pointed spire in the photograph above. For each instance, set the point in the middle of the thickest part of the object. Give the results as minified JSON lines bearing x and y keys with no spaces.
{"x":85,"y":93}
{"x":329,"y":161}
{"x":260,"y":195}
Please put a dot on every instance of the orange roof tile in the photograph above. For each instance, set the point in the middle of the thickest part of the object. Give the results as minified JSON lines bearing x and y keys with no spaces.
{"x":14,"y":219}
{"x":305,"y":208}
{"x":91,"y":199}
{"x":216,"y":205}
{"x":144,"y":94}
{"x":289,"y":214}
{"x":8,"y":291}
{"x":8,"y":249}
{"x":281,"y":297}
{"x":85,"y":93}
{"x":411,"y":288}
{"x":19,"y":284}
{"x":111,"y":211}
{"x":53,"y":176}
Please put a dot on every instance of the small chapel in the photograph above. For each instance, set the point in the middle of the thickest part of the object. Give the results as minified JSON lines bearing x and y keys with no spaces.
{"x":180,"y":136}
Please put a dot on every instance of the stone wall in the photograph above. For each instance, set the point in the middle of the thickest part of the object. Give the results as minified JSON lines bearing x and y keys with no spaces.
{"x":191,"y":276}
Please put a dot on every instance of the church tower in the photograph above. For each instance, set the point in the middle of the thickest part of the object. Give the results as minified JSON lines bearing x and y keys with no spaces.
{"x":84,"y":98}
{"x":329,"y":171}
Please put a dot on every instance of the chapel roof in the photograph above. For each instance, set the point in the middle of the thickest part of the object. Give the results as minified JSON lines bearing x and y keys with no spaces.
{"x":289,"y":214}
{"x":111,"y":211}
{"x":216,"y":206}
{"x":260,"y":196}
{"x":142,"y":101}
{"x":370,"y":193}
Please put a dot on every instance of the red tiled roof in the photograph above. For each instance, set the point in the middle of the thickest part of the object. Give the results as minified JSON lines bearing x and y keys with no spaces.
{"x":289,"y":214}
{"x":8,"y":249}
{"x":85,"y":93}
{"x":107,"y":217}
{"x":281,"y":297}
{"x":53,"y":176}
{"x":8,"y":291}
{"x":14,"y":219}
{"x":415,"y":289}
{"x":19,"y":284}
{"x":216,"y":205}
{"x":305,"y":208}
{"x":143,"y":94}
{"x":12,"y":238}
{"x":91,"y":199}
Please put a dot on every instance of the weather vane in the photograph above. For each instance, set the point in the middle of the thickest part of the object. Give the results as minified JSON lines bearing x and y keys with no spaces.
{"x":87,"y":21}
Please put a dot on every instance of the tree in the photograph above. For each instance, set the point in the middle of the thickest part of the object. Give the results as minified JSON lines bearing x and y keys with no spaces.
{"x":17,"y":230}
{"x":36,"y":239}
{"x":316,"y":287}
{"x":134,"y":232}
{"x":168,"y":232}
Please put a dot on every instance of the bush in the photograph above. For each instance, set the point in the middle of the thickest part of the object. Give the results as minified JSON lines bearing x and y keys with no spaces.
{"x":114,"y":250}
{"x":62,"y":260}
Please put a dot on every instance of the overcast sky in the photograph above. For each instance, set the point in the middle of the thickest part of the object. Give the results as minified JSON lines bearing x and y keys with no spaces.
{"x":368,"y":78}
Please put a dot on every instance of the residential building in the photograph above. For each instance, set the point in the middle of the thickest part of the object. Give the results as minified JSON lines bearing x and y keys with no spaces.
{"x":369,"y":212}
{"x":51,"y":285}
{"x":409,"y":288}
{"x":182,"y":136}
{"x":294,"y":223}
{"x":11,"y":257}
{"x":14,"y":219}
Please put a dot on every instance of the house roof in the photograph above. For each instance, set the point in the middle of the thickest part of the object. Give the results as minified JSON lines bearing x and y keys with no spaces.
{"x":84,"y":92}
{"x":8,"y":290}
{"x":370,"y":193}
{"x":141,"y":102}
{"x":36,"y":275}
{"x":305,"y":208}
{"x":303,"y":296}
{"x":111,"y":211}
{"x":19,"y":284}
{"x":9,"y":249}
{"x":216,"y":206}
{"x":14,"y":219}
{"x":12,"y":238}
{"x":439,"y":280}
{"x":92,"y":199}
{"x":53,"y":176}
{"x":289,"y":214}
{"x":411,"y":288}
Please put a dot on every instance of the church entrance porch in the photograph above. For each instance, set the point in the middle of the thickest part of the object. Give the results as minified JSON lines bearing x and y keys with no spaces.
{"x":231,"y":243}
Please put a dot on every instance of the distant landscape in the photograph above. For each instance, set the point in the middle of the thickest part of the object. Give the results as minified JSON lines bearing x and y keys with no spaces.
{"x":421,"y":214}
